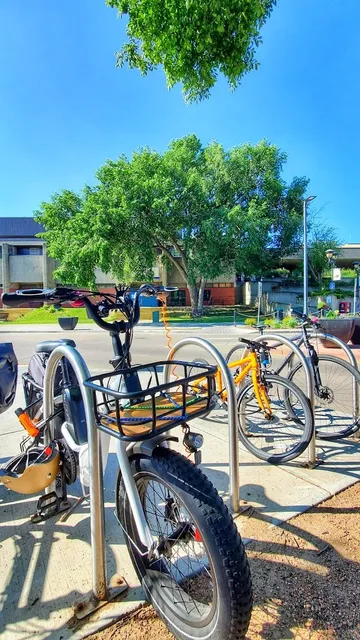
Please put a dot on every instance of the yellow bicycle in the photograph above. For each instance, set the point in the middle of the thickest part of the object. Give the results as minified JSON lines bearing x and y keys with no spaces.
{"x":275,"y":420}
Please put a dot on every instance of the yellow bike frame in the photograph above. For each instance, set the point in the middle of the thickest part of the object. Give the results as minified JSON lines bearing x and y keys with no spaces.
{"x":246,"y":365}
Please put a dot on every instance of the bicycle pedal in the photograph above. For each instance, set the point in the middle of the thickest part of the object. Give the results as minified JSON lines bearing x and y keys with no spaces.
{"x":49,"y":505}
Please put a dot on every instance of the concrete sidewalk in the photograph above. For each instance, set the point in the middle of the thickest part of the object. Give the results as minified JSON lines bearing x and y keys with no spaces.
{"x":44,"y":568}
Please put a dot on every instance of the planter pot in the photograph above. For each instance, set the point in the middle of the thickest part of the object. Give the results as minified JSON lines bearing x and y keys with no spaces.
{"x":342,"y":329}
{"x":355,"y":338}
{"x":68,"y":324}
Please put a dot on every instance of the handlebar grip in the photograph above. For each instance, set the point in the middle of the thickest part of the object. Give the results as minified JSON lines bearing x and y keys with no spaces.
{"x":26,"y":295}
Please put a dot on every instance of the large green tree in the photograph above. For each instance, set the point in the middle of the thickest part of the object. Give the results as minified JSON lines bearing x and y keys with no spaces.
{"x":206,"y":210}
{"x":193,"y":40}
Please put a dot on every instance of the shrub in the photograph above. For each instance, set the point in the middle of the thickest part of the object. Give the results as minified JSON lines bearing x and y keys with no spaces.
{"x":289,"y":322}
{"x":250,"y":321}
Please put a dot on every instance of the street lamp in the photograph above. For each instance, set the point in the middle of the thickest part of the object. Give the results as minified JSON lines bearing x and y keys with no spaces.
{"x":356,"y":266}
{"x":306,"y":257}
{"x":331,"y":255}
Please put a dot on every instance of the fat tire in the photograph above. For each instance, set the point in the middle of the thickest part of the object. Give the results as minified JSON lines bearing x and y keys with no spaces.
{"x":233,"y":602}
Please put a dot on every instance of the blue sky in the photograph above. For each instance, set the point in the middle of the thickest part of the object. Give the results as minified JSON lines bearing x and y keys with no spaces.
{"x":65,"y":108}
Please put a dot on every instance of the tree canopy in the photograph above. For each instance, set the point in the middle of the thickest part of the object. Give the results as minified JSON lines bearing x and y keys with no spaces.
{"x":193,"y":40}
{"x":206,"y":210}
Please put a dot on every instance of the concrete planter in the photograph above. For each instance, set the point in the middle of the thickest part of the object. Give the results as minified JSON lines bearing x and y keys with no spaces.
{"x":68,"y":324}
{"x":342,"y":329}
{"x":355,"y":338}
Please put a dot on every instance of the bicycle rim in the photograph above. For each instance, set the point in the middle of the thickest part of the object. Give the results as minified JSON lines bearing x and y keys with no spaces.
{"x":284,"y":434}
{"x":334,"y":412}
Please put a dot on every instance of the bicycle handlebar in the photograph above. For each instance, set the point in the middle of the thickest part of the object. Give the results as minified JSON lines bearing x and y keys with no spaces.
{"x":96,"y":311}
{"x":306,"y":319}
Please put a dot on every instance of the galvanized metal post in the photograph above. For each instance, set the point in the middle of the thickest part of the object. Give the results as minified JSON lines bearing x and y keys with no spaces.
{"x":97,"y":520}
{"x":234,"y":485}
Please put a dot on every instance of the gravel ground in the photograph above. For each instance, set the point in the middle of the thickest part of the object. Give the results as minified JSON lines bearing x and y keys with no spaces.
{"x":306,"y":577}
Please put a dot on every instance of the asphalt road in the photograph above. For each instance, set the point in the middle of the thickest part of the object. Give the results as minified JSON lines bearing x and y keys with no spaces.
{"x":96,"y":348}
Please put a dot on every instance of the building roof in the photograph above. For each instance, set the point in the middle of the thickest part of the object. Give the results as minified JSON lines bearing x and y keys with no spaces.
{"x":19,"y":228}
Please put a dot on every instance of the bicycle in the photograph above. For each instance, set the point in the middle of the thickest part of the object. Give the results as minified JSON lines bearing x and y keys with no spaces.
{"x":335,"y":413}
{"x":268,"y":427}
{"x":180,"y":535}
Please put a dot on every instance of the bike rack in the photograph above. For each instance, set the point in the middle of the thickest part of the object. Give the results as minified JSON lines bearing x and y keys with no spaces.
{"x":101,"y":592}
{"x":232,"y":417}
{"x":312,"y":460}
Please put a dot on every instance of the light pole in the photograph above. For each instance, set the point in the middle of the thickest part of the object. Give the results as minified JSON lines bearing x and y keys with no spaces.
{"x":306,"y":258}
{"x":331,"y":256}
{"x":356,"y":266}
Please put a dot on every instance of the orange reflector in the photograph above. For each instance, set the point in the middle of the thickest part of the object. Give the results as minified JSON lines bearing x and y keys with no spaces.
{"x":197,"y":536}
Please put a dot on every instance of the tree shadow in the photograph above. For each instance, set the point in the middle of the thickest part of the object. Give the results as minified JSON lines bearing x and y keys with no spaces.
{"x":302,"y":584}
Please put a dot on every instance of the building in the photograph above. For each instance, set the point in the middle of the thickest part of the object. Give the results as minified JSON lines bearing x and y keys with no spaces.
{"x":348,"y":254}
{"x":25,"y":264}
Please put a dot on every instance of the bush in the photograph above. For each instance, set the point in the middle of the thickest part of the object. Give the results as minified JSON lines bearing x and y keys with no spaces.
{"x":250,"y":321}
{"x":289,"y":322}
{"x":274,"y":324}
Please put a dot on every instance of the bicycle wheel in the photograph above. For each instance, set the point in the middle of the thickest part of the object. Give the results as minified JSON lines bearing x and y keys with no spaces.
{"x":334,"y":401}
{"x":284,"y":434}
{"x":200,"y":585}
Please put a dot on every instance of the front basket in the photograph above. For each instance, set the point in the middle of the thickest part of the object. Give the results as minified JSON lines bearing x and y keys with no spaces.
{"x":132,"y":404}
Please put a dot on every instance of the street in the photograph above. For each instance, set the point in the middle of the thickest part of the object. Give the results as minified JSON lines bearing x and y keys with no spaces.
{"x":95,"y":346}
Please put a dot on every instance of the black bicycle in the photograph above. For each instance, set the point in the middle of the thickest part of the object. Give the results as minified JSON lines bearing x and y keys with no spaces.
{"x":181,"y":537}
{"x":336,"y":383}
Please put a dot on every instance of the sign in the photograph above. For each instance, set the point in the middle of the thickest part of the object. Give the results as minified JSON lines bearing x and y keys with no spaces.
{"x":336,"y":274}
{"x":332,"y":286}
{"x":259,"y":289}
{"x":328,"y":300}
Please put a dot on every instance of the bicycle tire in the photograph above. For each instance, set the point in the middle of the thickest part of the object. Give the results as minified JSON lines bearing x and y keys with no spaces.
{"x":302,"y":426}
{"x":193,"y":370}
{"x":230,"y":609}
{"x":322,"y":406}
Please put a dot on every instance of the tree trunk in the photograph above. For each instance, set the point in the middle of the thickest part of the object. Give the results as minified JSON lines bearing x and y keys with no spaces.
{"x":193,"y":299}
{"x":200,"y":306}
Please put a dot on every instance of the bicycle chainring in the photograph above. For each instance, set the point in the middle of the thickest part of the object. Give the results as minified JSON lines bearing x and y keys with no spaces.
{"x":69,"y":461}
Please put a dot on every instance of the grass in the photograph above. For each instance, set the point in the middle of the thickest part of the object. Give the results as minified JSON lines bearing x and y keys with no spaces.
{"x":49,"y":315}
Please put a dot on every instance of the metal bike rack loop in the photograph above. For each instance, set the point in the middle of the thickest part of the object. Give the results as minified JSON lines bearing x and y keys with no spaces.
{"x":97,"y":519}
{"x":280,"y":339}
{"x":232,"y":417}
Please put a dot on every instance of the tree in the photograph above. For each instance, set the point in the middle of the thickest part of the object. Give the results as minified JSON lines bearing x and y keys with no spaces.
{"x":194,"y":40}
{"x":205,"y":210}
{"x":322,"y":237}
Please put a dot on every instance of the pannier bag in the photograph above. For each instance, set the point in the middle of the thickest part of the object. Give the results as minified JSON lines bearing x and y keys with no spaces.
{"x":8,"y":375}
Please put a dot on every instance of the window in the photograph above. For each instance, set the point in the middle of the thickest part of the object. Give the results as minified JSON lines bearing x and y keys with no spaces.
{"x":29,"y":251}
{"x":207,"y":295}
{"x":177,"y":298}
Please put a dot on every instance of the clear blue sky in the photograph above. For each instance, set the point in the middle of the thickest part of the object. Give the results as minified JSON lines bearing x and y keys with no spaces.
{"x":65,"y":108}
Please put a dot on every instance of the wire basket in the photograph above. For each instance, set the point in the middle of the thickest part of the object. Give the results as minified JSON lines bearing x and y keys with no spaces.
{"x":132,"y":404}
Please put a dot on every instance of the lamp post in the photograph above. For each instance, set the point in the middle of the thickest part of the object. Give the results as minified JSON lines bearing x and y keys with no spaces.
{"x":306,"y":257}
{"x":356,"y":266}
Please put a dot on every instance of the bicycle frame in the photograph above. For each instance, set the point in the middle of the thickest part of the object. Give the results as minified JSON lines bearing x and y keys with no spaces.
{"x":248,"y":364}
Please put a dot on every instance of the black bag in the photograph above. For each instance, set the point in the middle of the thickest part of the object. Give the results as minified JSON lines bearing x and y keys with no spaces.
{"x":8,"y":375}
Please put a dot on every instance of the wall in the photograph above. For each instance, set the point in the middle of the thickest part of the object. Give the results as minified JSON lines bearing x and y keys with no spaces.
{"x":28,"y":269}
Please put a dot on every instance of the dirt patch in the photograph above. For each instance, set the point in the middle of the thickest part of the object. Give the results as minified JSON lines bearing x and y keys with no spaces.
{"x":306,"y":577}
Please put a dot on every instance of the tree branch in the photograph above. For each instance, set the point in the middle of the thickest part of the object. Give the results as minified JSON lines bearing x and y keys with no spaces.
{"x":175,"y":262}
{"x":181,"y":252}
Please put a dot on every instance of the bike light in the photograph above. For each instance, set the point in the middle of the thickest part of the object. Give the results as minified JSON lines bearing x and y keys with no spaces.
{"x":193,"y":441}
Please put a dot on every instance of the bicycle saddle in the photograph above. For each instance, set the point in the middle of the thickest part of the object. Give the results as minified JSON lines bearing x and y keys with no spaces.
{"x":48,"y":346}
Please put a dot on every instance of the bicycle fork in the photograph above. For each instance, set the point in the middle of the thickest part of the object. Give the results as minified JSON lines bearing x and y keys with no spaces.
{"x":134,"y":498}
